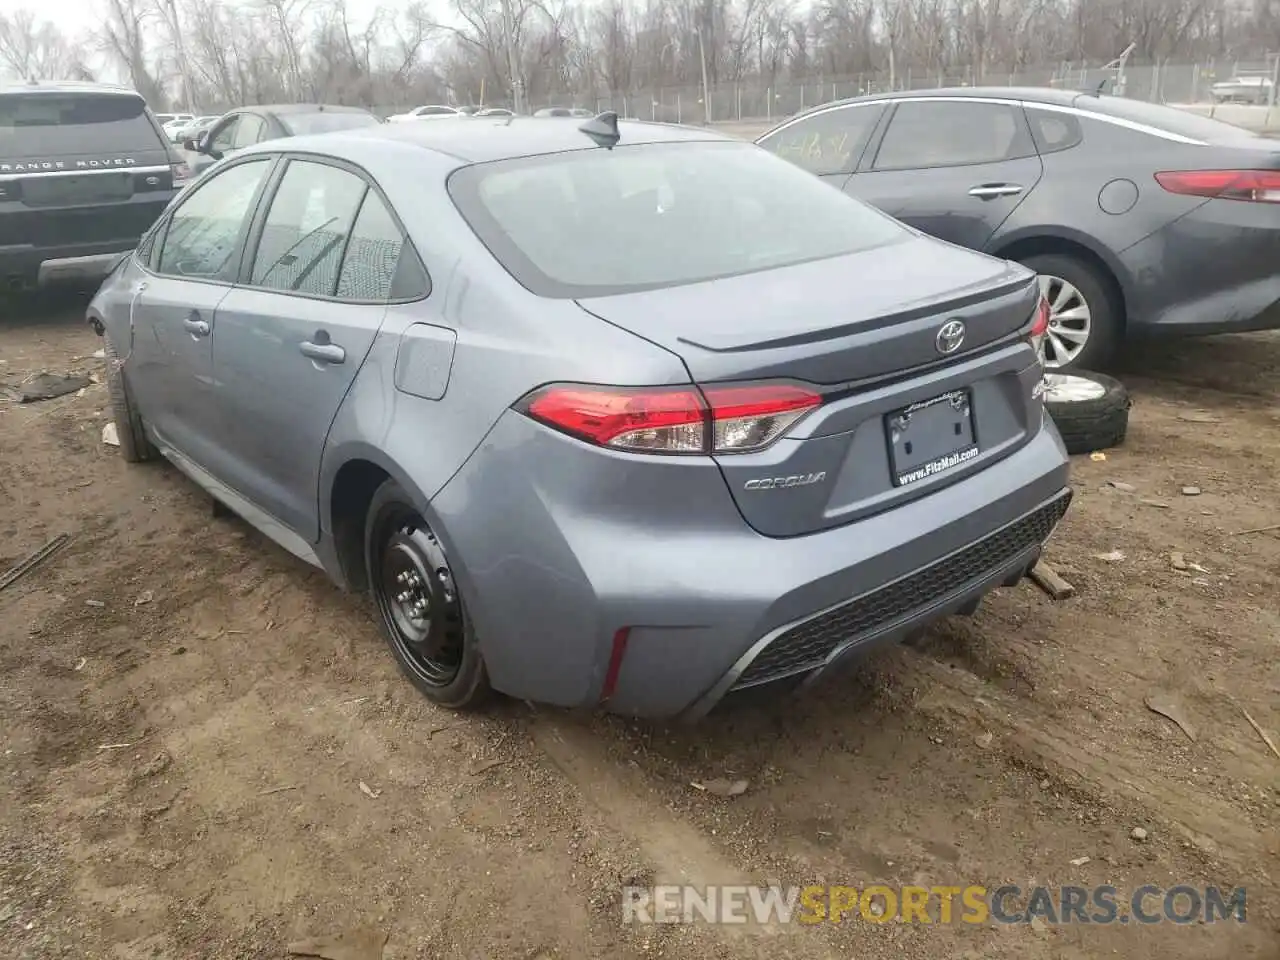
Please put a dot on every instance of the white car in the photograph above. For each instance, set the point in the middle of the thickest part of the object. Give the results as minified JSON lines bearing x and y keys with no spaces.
{"x":431,"y":112}
{"x":1254,"y":89}
{"x":179,"y":120}
{"x":177,"y":132}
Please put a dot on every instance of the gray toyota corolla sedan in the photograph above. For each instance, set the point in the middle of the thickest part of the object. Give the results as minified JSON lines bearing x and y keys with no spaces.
{"x":602,"y":414}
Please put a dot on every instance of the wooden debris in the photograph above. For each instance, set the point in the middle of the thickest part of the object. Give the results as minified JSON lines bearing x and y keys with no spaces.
{"x":1267,"y":529}
{"x":1262,"y":733}
{"x":1048,"y":580}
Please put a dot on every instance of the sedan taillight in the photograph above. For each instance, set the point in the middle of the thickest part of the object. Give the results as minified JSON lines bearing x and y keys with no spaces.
{"x":1255,"y":186}
{"x":719,"y":419}
{"x":1040,"y":327}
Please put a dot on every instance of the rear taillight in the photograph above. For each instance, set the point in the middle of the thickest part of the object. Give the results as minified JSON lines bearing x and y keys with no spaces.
{"x":1256,"y":186}
{"x":737,"y":418}
{"x":1040,"y":327}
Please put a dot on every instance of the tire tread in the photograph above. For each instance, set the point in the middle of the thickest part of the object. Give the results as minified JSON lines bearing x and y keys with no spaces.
{"x":1089,"y":425}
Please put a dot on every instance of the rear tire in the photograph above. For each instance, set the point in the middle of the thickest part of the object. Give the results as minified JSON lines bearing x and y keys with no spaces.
{"x":1081,"y":301}
{"x":134,"y":445}
{"x":1090,"y":410}
{"x":419,"y":605}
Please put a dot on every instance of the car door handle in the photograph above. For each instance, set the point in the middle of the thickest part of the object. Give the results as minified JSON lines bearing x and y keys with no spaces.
{"x":989,"y":191}
{"x":195,"y":326}
{"x":323,"y":352}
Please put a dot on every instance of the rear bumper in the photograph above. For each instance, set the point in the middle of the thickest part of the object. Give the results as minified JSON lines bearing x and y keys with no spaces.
{"x":557,"y":549}
{"x":812,"y":646}
{"x":81,"y":264}
{"x":1211,"y":271}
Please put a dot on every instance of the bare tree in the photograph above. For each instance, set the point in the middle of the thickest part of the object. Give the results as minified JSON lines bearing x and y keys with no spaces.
{"x":35,"y":50}
{"x":227,"y":52}
{"x":124,"y":38}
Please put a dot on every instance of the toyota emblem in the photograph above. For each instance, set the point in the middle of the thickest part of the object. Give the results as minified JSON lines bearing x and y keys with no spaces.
{"x":950,"y":337}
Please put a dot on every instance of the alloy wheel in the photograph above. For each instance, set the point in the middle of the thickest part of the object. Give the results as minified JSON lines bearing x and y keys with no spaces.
{"x":1066,"y":388}
{"x":1070,"y":321}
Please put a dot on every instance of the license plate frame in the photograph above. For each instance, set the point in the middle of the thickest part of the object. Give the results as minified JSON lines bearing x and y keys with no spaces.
{"x":931,"y":437}
{"x":107,"y":187}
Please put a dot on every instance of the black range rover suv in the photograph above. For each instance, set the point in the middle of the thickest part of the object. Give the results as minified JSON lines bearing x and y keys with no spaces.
{"x":84,"y":171}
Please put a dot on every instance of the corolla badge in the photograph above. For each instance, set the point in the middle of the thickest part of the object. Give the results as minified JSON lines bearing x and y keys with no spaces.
{"x":949,"y":337}
{"x":780,"y":483}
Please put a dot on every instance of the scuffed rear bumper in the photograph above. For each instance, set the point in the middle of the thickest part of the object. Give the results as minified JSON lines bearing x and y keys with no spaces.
{"x":559,"y":546}
{"x":811,"y":646}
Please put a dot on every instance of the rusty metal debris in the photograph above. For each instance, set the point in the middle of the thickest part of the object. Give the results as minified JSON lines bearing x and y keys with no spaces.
{"x":33,"y":560}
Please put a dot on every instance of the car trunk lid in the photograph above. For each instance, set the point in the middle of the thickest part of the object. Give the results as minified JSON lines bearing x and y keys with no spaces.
{"x":853,"y":318}
{"x":917,"y":348}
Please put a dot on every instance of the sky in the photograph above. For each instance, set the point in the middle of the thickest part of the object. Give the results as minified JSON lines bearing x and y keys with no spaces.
{"x":73,"y":14}
{"x":76,"y":17}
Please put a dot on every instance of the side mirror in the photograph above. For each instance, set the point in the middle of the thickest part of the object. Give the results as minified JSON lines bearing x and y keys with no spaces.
{"x":191,"y":144}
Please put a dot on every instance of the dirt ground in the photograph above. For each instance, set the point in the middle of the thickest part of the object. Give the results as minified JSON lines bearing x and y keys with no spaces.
{"x":207,"y":752}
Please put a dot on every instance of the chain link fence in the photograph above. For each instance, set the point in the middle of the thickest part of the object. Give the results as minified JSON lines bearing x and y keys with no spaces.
{"x":763,"y":100}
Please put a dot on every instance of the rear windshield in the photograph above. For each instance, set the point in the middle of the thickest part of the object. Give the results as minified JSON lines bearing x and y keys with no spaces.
{"x":599,"y":222}
{"x":301,"y":124}
{"x":1170,"y":119}
{"x":54,"y":125}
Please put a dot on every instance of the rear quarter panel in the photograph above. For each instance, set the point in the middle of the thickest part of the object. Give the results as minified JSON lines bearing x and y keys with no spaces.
{"x":1114,"y":166}
{"x":1216,"y":268}
{"x":505,"y":342}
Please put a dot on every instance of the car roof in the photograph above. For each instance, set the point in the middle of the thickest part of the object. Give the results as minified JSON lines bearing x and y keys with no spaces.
{"x":284,"y":109}
{"x":68,"y":86}
{"x":1049,"y":95}
{"x":480,"y":140}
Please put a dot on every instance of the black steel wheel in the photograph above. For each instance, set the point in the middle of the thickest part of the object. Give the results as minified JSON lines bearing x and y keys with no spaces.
{"x":420,"y":608}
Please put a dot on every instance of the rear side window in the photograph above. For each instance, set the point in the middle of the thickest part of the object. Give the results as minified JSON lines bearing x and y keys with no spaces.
{"x":597,"y":222}
{"x":948,"y":133}
{"x":373,"y":259}
{"x":827,"y":142}
{"x":50,"y":125}
{"x":1054,"y":132}
{"x":306,"y":229}
{"x":302,"y":124}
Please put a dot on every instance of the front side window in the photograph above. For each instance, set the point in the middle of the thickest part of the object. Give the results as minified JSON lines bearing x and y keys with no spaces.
{"x":827,"y":142}
{"x":248,"y":131}
{"x":306,"y":229}
{"x":204,"y":229}
{"x":224,"y":136}
{"x":947,"y":133}
{"x":596,"y":222}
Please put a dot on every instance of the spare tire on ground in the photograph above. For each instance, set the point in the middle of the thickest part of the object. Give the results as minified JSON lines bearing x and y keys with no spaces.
{"x":1091,"y":410}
